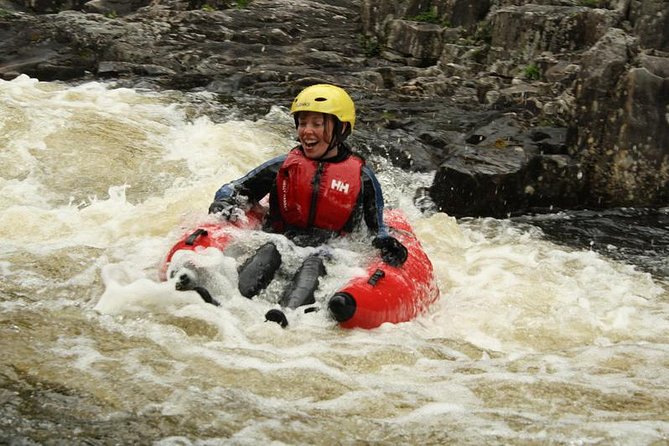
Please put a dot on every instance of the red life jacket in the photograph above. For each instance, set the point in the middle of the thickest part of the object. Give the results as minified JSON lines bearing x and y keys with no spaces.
{"x":319,"y":194}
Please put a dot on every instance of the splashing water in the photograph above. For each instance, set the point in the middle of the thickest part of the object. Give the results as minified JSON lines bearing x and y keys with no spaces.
{"x":530,"y":343}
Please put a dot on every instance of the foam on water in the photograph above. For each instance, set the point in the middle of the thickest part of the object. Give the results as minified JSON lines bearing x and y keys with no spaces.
{"x":530,"y":342}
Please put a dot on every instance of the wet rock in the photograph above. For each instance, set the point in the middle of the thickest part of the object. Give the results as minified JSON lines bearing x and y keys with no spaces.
{"x":547,"y":140}
{"x":114,"y":69}
{"x":622,"y":132}
{"x":420,"y":42}
{"x":501,"y":169}
{"x":113,"y":8}
{"x":375,"y":14}
{"x":519,"y":34}
{"x":439,"y":85}
{"x":650,"y":19}
{"x":480,"y":181}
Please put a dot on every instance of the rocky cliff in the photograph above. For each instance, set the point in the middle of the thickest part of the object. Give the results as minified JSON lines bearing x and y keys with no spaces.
{"x":517,"y":105}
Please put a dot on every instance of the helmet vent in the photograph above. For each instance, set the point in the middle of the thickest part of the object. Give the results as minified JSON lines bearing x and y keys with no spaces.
{"x":320,"y":99}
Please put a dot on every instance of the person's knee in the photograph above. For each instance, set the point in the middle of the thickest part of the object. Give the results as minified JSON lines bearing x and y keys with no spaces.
{"x":301,"y":289}
{"x":314,"y":263}
{"x":258,"y":270}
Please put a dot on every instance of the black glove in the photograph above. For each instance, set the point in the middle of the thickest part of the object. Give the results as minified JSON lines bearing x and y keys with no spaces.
{"x":225,"y":208}
{"x":392,"y":251}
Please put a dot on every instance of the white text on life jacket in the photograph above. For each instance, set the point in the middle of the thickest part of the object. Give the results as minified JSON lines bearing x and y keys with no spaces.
{"x":340,"y":186}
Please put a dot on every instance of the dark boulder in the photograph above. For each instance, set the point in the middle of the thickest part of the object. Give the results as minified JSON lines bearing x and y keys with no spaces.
{"x":500,"y":169}
{"x":476,"y":181}
{"x":621,"y":133}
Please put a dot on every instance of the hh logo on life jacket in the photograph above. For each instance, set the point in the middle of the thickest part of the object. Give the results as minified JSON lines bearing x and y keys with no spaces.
{"x":340,"y":186}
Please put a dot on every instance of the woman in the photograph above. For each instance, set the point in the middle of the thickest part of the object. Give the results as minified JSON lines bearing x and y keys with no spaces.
{"x":317,"y":191}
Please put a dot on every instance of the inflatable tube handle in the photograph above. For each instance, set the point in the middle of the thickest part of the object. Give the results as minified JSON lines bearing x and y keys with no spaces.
{"x":378,"y":275}
{"x":190,"y":241}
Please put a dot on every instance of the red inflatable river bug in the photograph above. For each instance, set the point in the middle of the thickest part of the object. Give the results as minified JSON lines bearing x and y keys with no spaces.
{"x":383,"y":294}
{"x":387,"y":293}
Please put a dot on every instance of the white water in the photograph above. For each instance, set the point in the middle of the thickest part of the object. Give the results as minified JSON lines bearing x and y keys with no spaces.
{"x":530,"y":343}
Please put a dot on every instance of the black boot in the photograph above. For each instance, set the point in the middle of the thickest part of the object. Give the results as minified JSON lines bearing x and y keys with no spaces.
{"x":304,"y":284}
{"x":258,"y":270}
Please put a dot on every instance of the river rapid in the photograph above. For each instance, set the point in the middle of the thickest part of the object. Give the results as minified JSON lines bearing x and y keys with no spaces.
{"x":531,"y":342}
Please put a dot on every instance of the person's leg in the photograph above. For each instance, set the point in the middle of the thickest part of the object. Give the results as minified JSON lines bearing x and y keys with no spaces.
{"x":301,"y":289}
{"x":258,"y":270}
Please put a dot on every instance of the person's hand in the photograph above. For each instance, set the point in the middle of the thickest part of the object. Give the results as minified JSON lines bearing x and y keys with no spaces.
{"x":392,"y":251}
{"x":227,"y":209}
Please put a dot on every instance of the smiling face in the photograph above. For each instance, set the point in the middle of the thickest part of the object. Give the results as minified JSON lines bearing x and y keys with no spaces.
{"x":314,"y":130}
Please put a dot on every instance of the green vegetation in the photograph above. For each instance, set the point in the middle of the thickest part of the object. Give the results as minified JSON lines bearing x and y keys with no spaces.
{"x":242,"y":3}
{"x":111,"y":14}
{"x":532,"y":72}
{"x":479,"y":54}
{"x":429,"y":17}
{"x":388,"y":115}
{"x":208,"y":8}
{"x":370,"y":45}
{"x":5,"y":13}
{"x":589,"y":3}
{"x":425,"y":17}
{"x":484,"y":33}
{"x":86,"y":55}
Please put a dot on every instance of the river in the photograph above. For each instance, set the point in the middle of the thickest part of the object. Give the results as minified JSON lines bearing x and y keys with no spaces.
{"x":533,"y":341}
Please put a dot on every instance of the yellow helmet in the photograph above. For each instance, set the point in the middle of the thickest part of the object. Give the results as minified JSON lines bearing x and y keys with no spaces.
{"x":326,"y":98}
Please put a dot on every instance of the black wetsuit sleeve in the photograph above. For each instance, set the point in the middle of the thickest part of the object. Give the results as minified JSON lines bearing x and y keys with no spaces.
{"x":255,"y":184}
{"x":373,"y":203}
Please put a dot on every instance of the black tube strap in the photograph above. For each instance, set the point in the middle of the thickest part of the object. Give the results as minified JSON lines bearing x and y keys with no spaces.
{"x":191,"y":238}
{"x":378,"y":274}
